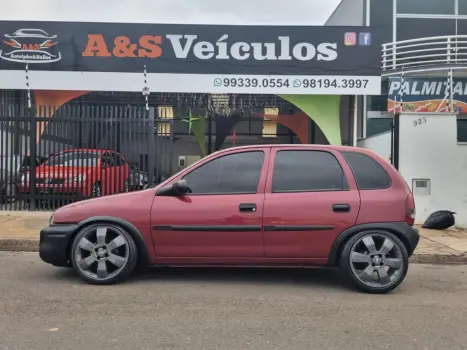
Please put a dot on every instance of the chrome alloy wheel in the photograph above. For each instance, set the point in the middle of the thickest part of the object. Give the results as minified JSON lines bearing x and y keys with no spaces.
{"x":376,"y":260}
{"x":101,"y":253}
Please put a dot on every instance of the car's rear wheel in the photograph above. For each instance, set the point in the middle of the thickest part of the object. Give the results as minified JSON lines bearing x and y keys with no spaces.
{"x":374,"y":262}
{"x":104,"y":254}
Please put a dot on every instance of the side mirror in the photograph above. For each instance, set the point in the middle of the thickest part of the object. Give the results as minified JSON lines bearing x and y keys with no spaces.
{"x":177,"y":189}
{"x":180,"y":187}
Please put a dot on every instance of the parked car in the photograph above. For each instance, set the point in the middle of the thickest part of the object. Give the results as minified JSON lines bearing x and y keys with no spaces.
{"x":12,"y":168}
{"x":84,"y":172}
{"x":275,"y":205}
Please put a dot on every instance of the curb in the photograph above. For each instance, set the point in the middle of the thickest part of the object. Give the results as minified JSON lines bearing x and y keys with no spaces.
{"x":439,"y":259}
{"x":32,"y":245}
{"x":19,"y":245}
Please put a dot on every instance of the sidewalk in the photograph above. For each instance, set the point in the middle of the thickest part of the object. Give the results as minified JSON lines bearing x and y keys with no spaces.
{"x":19,"y":231}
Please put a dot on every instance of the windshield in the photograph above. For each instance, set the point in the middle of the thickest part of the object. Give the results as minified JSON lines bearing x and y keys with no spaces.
{"x":74,"y":159}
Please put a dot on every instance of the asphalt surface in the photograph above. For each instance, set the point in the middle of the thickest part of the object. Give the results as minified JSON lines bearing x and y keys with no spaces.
{"x":43,"y":307}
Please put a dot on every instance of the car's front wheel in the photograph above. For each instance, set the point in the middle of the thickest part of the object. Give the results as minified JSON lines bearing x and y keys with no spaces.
{"x":374,"y":262}
{"x":104,"y":254}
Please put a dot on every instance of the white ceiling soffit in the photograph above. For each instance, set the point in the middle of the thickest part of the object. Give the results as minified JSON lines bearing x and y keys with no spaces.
{"x":238,"y":12}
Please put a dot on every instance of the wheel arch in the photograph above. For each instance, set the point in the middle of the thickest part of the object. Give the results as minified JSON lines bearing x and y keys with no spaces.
{"x":143,"y":255}
{"x":408,"y":236}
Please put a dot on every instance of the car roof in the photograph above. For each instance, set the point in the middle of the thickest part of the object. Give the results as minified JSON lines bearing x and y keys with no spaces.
{"x":88,"y":150}
{"x":303,"y":146}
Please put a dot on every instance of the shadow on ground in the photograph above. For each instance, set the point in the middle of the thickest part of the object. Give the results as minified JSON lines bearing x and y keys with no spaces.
{"x":319,"y":277}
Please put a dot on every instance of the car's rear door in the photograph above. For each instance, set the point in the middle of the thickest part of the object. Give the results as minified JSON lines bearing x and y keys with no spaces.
{"x":310,"y":198}
{"x":222,"y":219}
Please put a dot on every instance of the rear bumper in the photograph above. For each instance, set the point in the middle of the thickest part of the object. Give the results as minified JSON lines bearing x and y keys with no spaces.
{"x":413,"y":238}
{"x":54,"y":244}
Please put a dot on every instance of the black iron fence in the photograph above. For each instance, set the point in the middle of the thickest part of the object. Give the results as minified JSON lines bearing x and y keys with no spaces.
{"x":55,"y":156}
{"x":81,"y":152}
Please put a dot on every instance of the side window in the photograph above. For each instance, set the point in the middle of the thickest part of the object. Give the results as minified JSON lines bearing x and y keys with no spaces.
{"x":307,"y":171}
{"x":106,"y":159}
{"x":230,"y":174}
{"x":369,"y":174}
{"x":117,"y":160}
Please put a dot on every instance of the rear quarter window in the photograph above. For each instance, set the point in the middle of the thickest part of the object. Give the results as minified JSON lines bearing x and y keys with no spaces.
{"x":368,"y":173}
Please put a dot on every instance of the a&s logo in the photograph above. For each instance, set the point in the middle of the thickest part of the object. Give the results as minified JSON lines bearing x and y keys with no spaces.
{"x":350,"y":39}
{"x":30,"y":46}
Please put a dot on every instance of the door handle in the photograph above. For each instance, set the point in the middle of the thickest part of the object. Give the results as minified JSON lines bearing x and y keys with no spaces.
{"x":247,"y":207}
{"x":341,"y":208}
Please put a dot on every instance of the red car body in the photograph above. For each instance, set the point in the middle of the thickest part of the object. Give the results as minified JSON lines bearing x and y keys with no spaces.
{"x":78,"y":171}
{"x":295,"y":228}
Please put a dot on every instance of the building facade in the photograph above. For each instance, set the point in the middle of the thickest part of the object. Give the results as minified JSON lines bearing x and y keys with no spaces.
{"x":424,"y":70}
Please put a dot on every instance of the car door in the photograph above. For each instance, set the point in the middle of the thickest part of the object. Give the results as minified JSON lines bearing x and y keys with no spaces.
{"x":118,"y":173}
{"x":106,"y":173}
{"x":222,"y":218}
{"x":310,"y":198}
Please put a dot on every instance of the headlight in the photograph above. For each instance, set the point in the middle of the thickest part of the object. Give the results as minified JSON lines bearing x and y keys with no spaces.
{"x":51,"y":219}
{"x":78,"y":179}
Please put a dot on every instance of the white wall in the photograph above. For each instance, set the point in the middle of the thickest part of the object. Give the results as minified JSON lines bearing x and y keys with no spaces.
{"x":430,"y":150}
{"x":380,"y":143}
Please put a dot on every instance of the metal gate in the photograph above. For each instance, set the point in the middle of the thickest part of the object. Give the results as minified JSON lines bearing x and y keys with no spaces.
{"x":77,"y":152}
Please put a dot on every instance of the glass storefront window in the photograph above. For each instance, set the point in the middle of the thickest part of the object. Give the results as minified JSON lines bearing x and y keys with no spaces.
{"x":462,"y":27}
{"x":414,"y":28}
{"x":462,"y":7}
{"x":432,"y":7}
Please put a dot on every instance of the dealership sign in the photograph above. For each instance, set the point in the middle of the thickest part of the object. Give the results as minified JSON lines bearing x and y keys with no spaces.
{"x":190,"y":58}
{"x":427,"y":95}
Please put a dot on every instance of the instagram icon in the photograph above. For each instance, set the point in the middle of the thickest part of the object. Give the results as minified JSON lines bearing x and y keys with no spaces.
{"x":350,"y":39}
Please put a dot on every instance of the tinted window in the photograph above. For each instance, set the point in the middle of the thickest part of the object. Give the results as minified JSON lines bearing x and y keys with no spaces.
{"x":234,"y":173}
{"x":414,"y":28}
{"x":107,"y":159}
{"x":432,"y":7}
{"x":306,"y":171}
{"x":369,"y":175}
{"x":74,"y":159}
{"x":117,"y":159}
{"x":462,"y":8}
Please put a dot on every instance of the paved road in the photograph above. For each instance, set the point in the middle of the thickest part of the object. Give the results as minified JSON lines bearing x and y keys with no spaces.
{"x":42,"y":307}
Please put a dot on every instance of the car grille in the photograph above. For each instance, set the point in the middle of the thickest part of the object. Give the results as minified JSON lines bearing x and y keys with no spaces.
{"x":43,"y":181}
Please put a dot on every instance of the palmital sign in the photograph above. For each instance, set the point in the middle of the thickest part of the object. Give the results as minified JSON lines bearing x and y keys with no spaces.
{"x":190,"y":58}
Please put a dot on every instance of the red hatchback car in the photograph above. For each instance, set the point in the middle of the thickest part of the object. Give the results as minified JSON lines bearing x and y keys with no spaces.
{"x":275,"y":205}
{"x":86,"y":172}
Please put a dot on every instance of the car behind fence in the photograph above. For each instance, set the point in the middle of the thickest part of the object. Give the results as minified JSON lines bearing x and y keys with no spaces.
{"x":57,"y":156}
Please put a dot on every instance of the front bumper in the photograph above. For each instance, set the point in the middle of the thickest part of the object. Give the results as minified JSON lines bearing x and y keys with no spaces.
{"x":54,"y":244}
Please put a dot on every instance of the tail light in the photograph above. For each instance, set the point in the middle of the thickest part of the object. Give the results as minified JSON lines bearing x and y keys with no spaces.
{"x":410,"y":209}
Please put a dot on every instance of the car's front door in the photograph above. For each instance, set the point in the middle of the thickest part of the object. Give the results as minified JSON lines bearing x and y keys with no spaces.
{"x":222,"y":217}
{"x":310,"y":198}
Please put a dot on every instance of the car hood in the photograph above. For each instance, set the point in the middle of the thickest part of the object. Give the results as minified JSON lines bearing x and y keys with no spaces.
{"x":127,"y":206}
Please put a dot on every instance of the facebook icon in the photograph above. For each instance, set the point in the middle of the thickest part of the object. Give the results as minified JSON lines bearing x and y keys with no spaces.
{"x":364,"y":39}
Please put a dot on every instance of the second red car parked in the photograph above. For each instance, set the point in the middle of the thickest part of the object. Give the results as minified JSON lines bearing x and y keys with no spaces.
{"x":84,"y":172}
{"x":276,"y":205}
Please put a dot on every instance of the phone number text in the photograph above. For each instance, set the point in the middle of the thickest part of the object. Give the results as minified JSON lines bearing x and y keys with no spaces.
{"x":292,"y":83}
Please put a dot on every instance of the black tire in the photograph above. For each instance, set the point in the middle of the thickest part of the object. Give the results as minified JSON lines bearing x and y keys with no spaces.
{"x":345,"y":263}
{"x":122,"y":275}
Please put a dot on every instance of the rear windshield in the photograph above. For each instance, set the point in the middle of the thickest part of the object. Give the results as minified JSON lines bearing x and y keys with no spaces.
{"x":368,"y":173}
